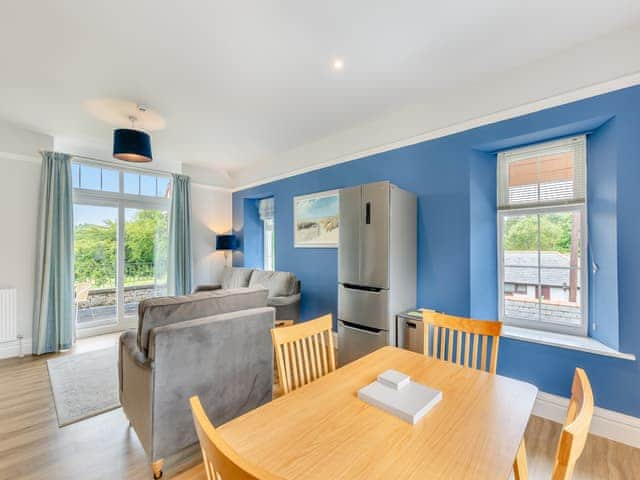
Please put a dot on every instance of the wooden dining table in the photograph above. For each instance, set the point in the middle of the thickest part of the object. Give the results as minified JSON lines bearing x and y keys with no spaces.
{"x":323,"y":431}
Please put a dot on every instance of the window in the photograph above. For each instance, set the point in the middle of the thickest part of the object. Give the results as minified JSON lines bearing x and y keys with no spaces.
{"x":542,"y":236}
{"x":266,"y":209}
{"x":120,"y":243}
{"x":94,"y":177}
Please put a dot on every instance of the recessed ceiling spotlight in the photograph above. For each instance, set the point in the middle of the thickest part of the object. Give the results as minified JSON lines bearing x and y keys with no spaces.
{"x":337,"y":64}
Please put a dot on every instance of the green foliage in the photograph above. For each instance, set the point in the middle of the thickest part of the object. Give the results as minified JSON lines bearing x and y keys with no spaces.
{"x":521,"y":233}
{"x":146,"y":245}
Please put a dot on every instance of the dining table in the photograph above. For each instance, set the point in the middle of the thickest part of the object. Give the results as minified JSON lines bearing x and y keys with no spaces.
{"x":324,"y":431}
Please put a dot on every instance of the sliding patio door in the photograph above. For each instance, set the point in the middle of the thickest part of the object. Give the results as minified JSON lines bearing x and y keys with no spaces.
{"x":120,"y":245}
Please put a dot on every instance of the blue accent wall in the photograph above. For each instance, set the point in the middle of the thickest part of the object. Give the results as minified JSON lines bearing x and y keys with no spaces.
{"x":455,"y":180}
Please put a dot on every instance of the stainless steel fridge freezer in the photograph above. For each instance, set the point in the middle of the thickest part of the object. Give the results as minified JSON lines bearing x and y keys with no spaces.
{"x":377,"y":259}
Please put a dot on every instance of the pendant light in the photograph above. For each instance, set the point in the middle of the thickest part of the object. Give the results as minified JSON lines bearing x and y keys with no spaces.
{"x":130,"y":144}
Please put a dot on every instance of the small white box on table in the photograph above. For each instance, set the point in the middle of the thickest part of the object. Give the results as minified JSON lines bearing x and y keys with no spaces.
{"x":395,"y":393}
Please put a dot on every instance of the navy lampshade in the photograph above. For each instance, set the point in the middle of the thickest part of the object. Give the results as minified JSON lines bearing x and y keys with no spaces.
{"x":131,"y":145}
{"x":226,"y":242}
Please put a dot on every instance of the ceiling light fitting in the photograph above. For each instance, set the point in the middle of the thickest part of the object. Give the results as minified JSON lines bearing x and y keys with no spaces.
{"x":131,"y":145}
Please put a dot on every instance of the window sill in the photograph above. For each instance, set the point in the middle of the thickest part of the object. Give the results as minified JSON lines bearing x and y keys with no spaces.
{"x":571,"y":342}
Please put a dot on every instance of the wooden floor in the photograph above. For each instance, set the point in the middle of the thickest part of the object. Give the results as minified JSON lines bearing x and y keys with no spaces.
{"x":103,"y":447}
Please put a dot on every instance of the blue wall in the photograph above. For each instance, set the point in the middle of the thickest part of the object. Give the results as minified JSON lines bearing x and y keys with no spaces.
{"x":454,"y":178}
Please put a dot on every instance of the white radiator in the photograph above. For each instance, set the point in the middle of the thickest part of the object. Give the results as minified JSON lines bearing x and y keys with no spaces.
{"x":8,"y":317}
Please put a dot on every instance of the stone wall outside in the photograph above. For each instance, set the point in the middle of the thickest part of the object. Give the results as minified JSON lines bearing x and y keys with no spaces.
{"x":100,"y":297}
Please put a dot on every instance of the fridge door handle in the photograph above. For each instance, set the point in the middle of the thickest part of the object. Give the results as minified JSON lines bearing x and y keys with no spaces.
{"x":348,"y":326}
{"x":360,"y":289}
{"x":367,"y":215}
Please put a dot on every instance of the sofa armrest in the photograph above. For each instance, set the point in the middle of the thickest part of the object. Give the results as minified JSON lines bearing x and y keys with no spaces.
{"x":207,"y":288}
{"x":129,"y":347}
{"x":135,"y":373}
{"x":287,"y":308}
{"x":282,"y":301}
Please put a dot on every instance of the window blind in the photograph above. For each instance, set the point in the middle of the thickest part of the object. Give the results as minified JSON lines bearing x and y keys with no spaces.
{"x":266,"y":208}
{"x":552,"y":173}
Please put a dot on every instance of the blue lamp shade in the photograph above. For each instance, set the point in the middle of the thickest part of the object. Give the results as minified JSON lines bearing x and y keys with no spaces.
{"x":226,"y":242}
{"x":131,"y":145}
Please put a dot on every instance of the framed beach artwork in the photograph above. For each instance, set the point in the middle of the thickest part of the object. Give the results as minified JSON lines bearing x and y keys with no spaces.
{"x":315,"y":220}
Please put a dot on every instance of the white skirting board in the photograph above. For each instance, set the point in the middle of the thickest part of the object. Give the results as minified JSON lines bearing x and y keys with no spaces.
{"x":12,"y":348}
{"x":606,"y":423}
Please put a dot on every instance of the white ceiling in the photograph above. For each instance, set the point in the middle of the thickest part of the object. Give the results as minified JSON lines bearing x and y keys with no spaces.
{"x":240,"y":83}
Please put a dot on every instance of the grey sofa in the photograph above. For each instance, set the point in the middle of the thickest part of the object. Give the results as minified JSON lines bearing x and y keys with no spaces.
{"x":214,"y":344}
{"x":284,"y":288}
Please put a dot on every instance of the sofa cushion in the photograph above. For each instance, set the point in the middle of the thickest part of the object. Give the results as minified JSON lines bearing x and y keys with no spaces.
{"x":280,"y":284}
{"x":235,"y":277}
{"x":156,"y":312}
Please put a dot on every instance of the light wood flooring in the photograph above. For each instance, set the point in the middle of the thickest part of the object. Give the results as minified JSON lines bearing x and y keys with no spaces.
{"x":103,"y":447}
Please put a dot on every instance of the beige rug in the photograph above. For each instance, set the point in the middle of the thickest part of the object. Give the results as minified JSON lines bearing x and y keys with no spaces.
{"x":84,"y":384}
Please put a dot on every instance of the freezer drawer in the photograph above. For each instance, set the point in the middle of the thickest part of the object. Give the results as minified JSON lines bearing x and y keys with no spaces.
{"x":364,"y":306}
{"x":410,"y":334}
{"x":355,"y":342}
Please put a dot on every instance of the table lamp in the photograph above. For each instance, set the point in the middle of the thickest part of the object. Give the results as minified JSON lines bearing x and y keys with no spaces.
{"x":226,"y":243}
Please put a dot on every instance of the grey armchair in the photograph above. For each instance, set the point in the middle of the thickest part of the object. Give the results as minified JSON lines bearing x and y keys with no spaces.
{"x":216,"y":345}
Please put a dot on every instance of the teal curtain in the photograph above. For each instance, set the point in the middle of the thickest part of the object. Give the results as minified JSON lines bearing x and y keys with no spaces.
{"x":179,"y":268}
{"x":53,"y":321}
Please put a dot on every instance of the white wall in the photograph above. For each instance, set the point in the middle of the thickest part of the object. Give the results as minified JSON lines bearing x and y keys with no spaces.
{"x":19,"y":184}
{"x":211,"y":215}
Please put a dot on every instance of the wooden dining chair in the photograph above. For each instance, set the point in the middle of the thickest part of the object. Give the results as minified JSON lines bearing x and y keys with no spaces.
{"x":304,"y":352}
{"x":445,"y":336}
{"x":574,"y":432}
{"x":221,"y":462}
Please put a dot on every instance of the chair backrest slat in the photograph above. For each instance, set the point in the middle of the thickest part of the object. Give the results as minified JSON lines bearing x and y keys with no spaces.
{"x":221,"y":462}
{"x":576,"y":427}
{"x":473,"y":334}
{"x":312,"y":354}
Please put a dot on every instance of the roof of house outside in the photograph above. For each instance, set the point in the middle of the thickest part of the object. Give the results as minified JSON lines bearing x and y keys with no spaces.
{"x":520,"y":268}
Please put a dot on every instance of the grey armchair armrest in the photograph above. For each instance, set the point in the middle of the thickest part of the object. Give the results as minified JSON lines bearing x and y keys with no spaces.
{"x":207,"y":288}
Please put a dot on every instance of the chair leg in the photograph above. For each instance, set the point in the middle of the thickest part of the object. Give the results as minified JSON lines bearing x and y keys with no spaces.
{"x":156,"y":467}
{"x":520,"y":464}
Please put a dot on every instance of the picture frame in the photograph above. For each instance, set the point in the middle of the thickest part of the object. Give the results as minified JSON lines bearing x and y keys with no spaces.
{"x":316,"y":220}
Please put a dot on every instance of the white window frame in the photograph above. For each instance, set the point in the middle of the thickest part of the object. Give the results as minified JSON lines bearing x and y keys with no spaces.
{"x":120,"y":201}
{"x":561,"y":206}
{"x":268,"y":246}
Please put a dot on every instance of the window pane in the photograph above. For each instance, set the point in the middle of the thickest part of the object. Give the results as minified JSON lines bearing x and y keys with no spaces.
{"x":148,"y":185}
{"x":560,"y":239}
{"x":163,"y":187}
{"x":520,"y":301}
{"x":146,"y":240}
{"x":95,"y":257}
{"x":521,"y":275}
{"x":110,"y":180}
{"x":131,"y":183}
{"x":520,"y":240}
{"x":562,"y":304}
{"x":75,"y":175}
{"x":90,"y":177}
